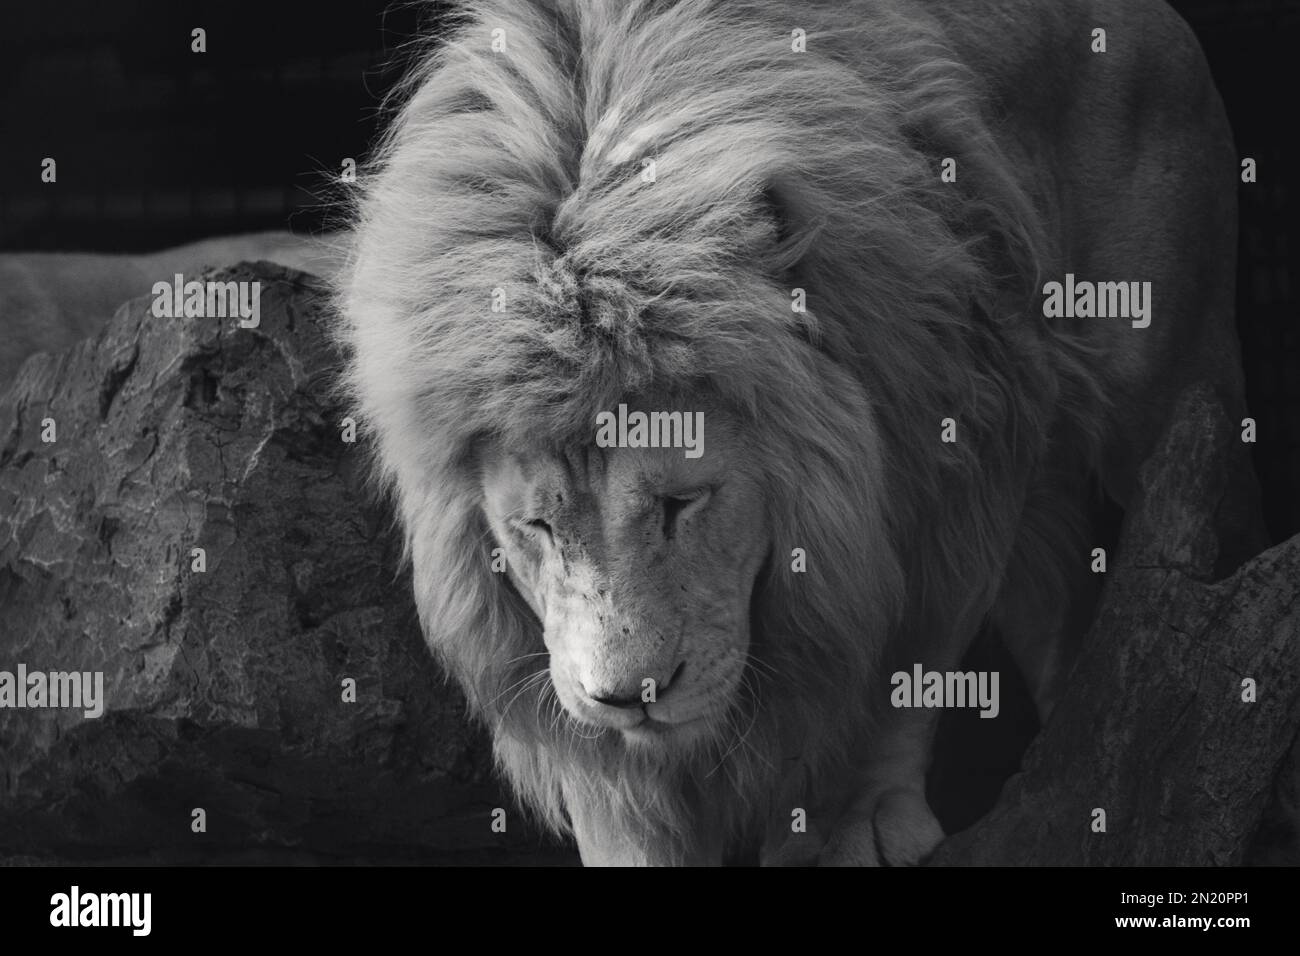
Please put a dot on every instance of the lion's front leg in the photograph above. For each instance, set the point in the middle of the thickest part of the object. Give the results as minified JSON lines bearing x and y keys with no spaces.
{"x":609,"y":833}
{"x":888,"y":821}
{"x":886,"y":826}
{"x":601,"y":842}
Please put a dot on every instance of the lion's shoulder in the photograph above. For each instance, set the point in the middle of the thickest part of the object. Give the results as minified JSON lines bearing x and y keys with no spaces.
{"x":1095,"y":58}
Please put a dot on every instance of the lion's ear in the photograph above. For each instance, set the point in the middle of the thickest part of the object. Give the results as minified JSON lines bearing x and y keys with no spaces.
{"x":774,"y":210}
{"x":791,"y":231}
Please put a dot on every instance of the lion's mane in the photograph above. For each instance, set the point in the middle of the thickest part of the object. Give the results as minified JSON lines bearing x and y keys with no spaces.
{"x":520,"y":170}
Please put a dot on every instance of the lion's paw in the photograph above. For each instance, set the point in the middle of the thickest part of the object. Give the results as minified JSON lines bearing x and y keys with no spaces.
{"x":895,"y":828}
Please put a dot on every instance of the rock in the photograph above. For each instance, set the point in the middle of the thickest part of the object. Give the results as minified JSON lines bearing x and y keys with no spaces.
{"x":1154,"y":729}
{"x":223,"y":686}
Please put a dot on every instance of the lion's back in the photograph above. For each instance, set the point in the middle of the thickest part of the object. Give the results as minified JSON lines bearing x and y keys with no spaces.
{"x":1122,"y":137}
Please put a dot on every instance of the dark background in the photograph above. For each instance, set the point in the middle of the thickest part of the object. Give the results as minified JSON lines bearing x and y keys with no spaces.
{"x":156,"y":146}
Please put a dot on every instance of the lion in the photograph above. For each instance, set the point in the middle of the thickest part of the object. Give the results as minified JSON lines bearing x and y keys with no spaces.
{"x":582,"y":205}
{"x":827,"y":231}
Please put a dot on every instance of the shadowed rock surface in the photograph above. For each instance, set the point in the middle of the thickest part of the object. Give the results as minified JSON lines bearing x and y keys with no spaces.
{"x":1153,"y":729}
{"x":223,"y":687}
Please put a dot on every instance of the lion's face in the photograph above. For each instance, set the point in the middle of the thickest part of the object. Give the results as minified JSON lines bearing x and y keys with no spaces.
{"x":640,"y":564}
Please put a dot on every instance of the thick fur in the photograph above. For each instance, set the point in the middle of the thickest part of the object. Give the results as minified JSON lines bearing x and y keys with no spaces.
{"x":520,"y":171}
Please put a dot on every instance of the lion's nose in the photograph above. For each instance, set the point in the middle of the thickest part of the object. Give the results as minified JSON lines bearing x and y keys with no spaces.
{"x":632,"y":693}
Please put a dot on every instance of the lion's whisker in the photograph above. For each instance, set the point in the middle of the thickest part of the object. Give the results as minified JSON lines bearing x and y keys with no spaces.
{"x":524,"y":657}
{"x":762,"y":666}
{"x":522,"y":680}
{"x":743,"y":738}
{"x":528,"y":682}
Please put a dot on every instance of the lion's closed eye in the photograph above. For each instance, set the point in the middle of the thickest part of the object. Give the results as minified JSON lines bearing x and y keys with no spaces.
{"x":680,"y":507}
{"x":534,"y":529}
